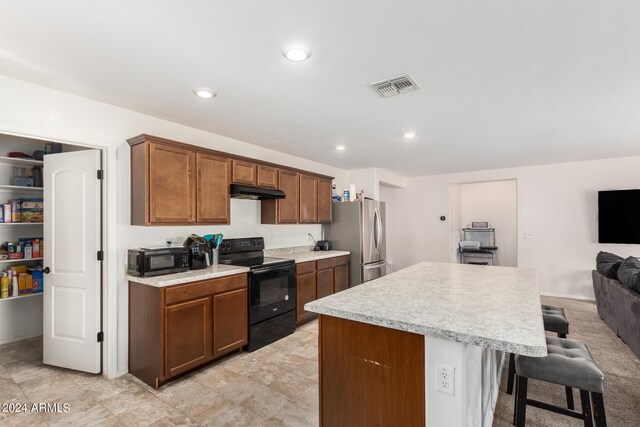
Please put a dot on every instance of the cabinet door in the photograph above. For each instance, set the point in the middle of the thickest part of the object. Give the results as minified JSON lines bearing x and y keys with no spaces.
{"x":244,"y":172}
{"x":325,"y":283}
{"x":308,"y":199}
{"x":341,"y":277}
{"x":305,"y":292}
{"x":213,"y":189}
{"x":171,"y":184}
{"x":230,"y":321}
{"x":324,"y":200}
{"x":187,"y":332}
{"x":267,"y":176}
{"x":288,"y":207}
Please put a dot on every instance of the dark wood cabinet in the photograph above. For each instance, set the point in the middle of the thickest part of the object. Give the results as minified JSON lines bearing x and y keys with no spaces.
{"x":267,"y":176}
{"x":229,"y":321}
{"x":341,"y":277}
{"x":244,"y":172}
{"x":171,"y":184}
{"x":187,"y":342}
{"x":305,"y":290}
{"x":318,"y":279}
{"x":325,"y":203}
{"x":178,"y":328}
{"x":324,"y":283}
{"x":308,"y":199}
{"x":283,"y":211}
{"x":213,"y":202}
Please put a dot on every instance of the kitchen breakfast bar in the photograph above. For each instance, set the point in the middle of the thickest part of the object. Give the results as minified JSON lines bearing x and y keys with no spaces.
{"x":424,"y":345}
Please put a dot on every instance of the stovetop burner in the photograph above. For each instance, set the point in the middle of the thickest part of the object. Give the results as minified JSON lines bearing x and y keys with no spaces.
{"x":248,"y":252}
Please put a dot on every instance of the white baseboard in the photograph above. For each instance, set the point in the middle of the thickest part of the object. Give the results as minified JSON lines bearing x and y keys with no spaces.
{"x":578,"y":297}
{"x":20,"y":338}
{"x":121,"y":373}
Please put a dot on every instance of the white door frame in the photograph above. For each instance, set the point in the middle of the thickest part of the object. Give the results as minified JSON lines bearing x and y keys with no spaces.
{"x":109,"y":232}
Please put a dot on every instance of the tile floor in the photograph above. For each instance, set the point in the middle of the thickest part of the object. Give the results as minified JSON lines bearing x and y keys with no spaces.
{"x":274,"y":386}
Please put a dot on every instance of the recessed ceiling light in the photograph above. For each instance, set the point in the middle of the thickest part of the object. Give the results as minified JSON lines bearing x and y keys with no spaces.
{"x":296,"y":52}
{"x":409,"y":135}
{"x":340,"y":147}
{"x":203,"y":92}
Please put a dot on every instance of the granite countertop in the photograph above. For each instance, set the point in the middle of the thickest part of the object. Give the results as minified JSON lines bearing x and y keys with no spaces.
{"x":211,"y":272}
{"x":492,"y":307}
{"x":314,"y":255}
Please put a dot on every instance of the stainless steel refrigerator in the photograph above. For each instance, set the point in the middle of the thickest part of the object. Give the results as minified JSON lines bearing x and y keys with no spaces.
{"x":359,"y":227}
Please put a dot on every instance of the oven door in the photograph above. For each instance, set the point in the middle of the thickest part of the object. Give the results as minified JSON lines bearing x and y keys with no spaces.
{"x":272,"y":291}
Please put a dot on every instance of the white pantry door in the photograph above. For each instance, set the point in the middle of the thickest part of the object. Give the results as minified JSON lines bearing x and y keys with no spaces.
{"x":72,"y":239}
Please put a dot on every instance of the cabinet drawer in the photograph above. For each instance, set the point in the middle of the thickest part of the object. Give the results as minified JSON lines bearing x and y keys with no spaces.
{"x":306,"y":267}
{"x":192,"y":290}
{"x":332,"y":262}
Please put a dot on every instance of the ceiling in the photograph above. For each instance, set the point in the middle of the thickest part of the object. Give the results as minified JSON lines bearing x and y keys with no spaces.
{"x":503,"y":82}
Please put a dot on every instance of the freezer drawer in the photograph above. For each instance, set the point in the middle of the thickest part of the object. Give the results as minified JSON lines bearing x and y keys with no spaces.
{"x":373,"y":270}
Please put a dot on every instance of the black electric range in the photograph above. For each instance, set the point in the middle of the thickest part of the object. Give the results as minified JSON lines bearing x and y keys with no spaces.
{"x":272,"y":289}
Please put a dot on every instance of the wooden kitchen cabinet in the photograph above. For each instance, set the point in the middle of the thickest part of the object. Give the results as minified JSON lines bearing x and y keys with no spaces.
{"x":187,"y":335}
{"x":325,"y":203}
{"x":318,"y":279}
{"x":244,"y":172}
{"x":229,"y":321}
{"x":324,"y":283}
{"x":171,"y":191}
{"x":308,"y":199}
{"x":175,"y":329}
{"x":267,"y":176}
{"x":213,"y":202}
{"x":283,"y":211}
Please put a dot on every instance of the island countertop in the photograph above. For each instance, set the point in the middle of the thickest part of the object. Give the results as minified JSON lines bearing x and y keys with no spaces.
{"x":492,"y":307}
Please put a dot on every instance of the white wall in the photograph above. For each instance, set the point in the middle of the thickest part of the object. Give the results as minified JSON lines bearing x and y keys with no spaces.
{"x":557,"y":203}
{"x":33,"y":110}
{"x":496,"y":203}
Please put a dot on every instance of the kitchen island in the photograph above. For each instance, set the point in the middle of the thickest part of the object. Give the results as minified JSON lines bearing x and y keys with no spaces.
{"x":424,"y":345}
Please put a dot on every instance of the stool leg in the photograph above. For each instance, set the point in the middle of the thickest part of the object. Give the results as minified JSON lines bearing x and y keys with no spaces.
{"x":561,"y":335}
{"x":598,"y":410}
{"x":511,"y":374}
{"x":586,"y":408}
{"x":515,"y":401}
{"x":569,"y":393}
{"x":521,"y":401}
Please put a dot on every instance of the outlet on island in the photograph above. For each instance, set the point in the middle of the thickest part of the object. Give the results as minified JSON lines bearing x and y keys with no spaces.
{"x":446,"y":379}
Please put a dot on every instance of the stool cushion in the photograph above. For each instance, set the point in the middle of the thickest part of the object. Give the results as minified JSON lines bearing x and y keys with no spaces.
{"x":568,"y":363}
{"x":554,"y":319}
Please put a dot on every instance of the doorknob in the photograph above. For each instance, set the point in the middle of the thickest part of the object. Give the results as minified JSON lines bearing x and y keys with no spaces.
{"x":46,"y":270}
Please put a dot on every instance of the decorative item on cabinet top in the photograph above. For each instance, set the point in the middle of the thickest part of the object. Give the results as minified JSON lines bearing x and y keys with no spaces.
{"x":173,"y":183}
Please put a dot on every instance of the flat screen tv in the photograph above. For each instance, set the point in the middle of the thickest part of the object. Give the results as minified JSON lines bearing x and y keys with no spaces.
{"x":619,"y":216}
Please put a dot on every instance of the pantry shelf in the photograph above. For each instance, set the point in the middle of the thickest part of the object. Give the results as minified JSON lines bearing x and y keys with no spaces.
{"x":21,"y":223}
{"x":20,"y":162}
{"x":20,"y":297}
{"x":17,"y":188}
{"x":19,"y":260}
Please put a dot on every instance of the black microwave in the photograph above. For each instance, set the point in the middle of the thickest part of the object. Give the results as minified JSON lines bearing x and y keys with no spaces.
{"x":145,"y":262}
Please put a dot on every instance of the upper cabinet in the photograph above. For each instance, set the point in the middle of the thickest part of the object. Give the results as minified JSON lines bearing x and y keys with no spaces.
{"x":244,"y":172}
{"x":267,"y":176}
{"x":181,"y":184}
{"x":308,"y":199}
{"x":325,"y":203}
{"x":213,"y":189}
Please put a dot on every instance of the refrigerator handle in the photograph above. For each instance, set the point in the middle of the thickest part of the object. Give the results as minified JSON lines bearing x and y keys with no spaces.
{"x":375,"y":230}
{"x":374,"y":265}
{"x":379,"y":233}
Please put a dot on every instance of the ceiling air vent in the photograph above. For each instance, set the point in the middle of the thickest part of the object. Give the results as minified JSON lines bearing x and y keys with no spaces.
{"x":394,"y":86}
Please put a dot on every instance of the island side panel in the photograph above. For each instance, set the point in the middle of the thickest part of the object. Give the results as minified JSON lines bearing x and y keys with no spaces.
{"x":370,"y":375}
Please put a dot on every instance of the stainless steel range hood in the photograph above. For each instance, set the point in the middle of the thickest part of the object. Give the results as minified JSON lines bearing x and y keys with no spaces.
{"x":239,"y":191}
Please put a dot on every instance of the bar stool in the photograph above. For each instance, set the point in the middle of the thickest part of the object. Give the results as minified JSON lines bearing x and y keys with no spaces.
{"x":568,"y":363}
{"x":554,"y":321}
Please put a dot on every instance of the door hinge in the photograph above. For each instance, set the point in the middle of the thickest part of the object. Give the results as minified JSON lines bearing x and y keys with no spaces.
{"x":100,"y":255}
{"x":100,"y":336}
{"x":100,"y":174}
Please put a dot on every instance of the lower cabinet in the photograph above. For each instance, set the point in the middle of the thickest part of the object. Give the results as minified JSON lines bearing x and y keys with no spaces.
{"x":318,"y":279}
{"x":178,"y":328}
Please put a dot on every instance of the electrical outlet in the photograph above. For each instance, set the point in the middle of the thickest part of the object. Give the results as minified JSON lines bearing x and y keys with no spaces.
{"x":446,"y":379}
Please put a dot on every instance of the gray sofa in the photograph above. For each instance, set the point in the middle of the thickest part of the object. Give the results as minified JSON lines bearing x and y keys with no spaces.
{"x":619,"y":307}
